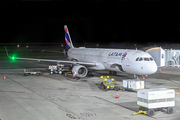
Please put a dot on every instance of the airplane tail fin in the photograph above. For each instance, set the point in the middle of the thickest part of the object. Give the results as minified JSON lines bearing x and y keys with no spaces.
{"x":67,"y":39}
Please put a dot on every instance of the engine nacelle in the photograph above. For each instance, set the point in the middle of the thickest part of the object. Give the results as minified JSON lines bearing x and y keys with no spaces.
{"x":81,"y":71}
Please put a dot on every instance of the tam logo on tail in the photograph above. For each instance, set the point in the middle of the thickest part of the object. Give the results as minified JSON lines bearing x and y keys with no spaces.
{"x":67,"y":39}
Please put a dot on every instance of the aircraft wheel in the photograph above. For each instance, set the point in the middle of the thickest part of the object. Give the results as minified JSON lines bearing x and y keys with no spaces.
{"x":110,"y":72}
{"x":114,"y":73}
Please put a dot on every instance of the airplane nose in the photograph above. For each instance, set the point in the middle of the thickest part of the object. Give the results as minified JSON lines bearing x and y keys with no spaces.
{"x":152,"y":68}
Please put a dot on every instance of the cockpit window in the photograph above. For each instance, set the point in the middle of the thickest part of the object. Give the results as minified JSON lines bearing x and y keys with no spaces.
{"x":141,"y":59}
{"x":137,"y":59}
{"x":151,"y":58}
{"x":146,"y":59}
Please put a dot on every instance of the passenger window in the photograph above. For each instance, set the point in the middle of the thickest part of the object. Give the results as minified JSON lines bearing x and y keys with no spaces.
{"x":137,"y":59}
{"x":146,"y":59}
{"x":140,"y":59}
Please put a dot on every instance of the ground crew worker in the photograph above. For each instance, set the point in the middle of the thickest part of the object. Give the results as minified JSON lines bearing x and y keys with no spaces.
{"x":60,"y":70}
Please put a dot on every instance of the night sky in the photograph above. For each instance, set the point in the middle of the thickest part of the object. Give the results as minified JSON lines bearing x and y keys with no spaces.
{"x":90,"y":22}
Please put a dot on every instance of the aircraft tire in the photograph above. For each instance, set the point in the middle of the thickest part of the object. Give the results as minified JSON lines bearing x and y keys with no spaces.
{"x":114,"y":72}
{"x":110,"y":72}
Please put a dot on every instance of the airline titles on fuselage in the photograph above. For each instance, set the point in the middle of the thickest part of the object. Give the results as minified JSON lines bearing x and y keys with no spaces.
{"x":123,"y":55}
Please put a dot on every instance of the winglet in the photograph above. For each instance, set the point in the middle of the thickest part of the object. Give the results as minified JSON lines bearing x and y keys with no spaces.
{"x":7,"y":53}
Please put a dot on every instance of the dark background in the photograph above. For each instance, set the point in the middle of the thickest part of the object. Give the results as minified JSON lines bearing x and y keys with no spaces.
{"x":126,"y":22}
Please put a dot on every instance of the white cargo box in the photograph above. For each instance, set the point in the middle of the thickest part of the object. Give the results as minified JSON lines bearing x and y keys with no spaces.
{"x":156,"y":98}
{"x":134,"y":85}
{"x":53,"y":68}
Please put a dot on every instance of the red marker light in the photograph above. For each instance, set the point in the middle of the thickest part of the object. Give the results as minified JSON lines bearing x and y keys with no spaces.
{"x":17,"y":45}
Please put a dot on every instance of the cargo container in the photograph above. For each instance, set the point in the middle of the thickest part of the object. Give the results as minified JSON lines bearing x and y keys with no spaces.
{"x":160,"y":98}
{"x":134,"y":85}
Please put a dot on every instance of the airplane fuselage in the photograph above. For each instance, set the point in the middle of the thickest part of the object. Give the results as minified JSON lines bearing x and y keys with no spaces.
{"x":120,"y":60}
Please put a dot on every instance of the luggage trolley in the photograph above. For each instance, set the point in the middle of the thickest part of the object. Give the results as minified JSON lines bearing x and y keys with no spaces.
{"x":151,"y":100}
{"x":59,"y":68}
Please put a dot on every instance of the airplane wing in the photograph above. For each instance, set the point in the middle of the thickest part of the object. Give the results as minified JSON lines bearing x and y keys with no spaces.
{"x":59,"y":61}
{"x":52,"y":51}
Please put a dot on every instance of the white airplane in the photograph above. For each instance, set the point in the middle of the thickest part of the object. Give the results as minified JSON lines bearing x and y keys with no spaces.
{"x":83,"y":59}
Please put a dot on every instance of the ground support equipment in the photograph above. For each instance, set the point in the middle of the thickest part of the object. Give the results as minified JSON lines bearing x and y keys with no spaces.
{"x":150,"y":112}
{"x":108,"y":83}
{"x":30,"y":73}
{"x":57,"y":69}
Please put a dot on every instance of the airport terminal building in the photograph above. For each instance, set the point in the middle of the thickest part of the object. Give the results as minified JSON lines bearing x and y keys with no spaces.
{"x":165,"y":57}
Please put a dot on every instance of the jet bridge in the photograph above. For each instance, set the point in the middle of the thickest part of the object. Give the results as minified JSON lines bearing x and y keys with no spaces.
{"x":166,"y":57}
{"x":158,"y":54}
{"x":172,"y":57}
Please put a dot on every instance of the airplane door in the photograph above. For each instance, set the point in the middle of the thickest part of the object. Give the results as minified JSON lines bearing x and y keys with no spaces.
{"x":127,"y":62}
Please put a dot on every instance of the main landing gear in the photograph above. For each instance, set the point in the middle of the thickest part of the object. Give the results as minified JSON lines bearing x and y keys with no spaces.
{"x":112,"y":73}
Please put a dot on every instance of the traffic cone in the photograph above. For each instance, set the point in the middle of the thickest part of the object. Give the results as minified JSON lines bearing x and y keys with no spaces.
{"x":74,"y":75}
{"x":4,"y":77}
{"x":143,"y":77}
{"x":117,"y":96}
{"x":65,"y":74}
{"x":159,"y":70}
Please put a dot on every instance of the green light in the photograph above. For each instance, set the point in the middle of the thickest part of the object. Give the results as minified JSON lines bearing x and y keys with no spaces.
{"x":12,"y":58}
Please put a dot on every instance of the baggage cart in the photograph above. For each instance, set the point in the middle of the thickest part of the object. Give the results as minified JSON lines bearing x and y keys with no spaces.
{"x":151,"y":100}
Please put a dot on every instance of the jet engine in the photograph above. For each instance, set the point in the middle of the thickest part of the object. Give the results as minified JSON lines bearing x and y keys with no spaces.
{"x":81,"y":71}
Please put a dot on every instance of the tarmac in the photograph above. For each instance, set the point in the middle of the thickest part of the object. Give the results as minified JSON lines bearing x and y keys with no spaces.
{"x":56,"y":97}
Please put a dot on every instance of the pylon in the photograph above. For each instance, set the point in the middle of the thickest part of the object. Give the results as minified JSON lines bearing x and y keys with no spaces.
{"x":117,"y":96}
{"x":74,"y":75}
{"x":65,"y":74}
{"x":159,"y":70}
{"x":4,"y":77}
{"x":143,"y":78}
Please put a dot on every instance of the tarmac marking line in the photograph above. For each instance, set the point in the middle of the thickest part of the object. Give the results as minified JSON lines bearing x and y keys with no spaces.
{"x":121,"y":106}
{"x":168,"y":116}
{"x":128,"y":96}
